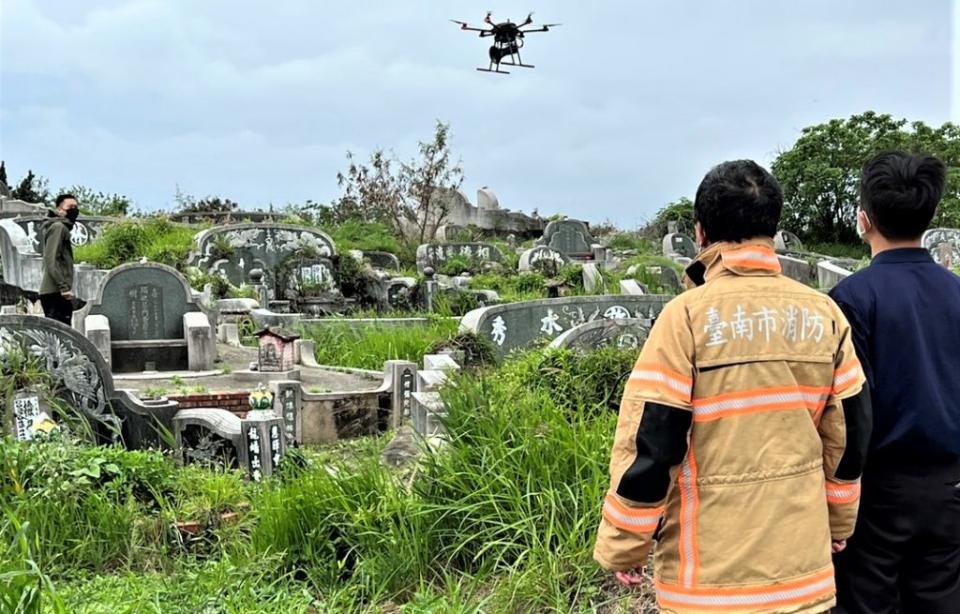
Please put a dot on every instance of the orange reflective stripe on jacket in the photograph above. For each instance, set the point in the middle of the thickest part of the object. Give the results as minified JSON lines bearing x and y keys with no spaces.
{"x":637,"y":520}
{"x":760,"y":400}
{"x":752,"y":256}
{"x":777,"y":595}
{"x":847,"y":376}
{"x":843,"y":493}
{"x":666,"y":381}
{"x":689,"y":513}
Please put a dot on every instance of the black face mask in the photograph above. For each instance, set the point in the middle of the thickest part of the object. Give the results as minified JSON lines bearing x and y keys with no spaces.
{"x":72,"y":214}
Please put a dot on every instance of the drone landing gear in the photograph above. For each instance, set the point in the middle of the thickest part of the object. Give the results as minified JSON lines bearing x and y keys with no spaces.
{"x":498,"y":71}
{"x":518,"y":65}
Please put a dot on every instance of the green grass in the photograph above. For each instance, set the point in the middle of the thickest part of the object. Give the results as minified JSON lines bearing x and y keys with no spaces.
{"x":501,"y":519}
{"x":369,"y":346}
{"x":155,"y":238}
{"x":839,"y":250}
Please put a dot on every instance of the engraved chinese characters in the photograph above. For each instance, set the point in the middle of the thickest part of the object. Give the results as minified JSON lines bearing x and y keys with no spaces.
{"x":145,"y":311}
{"x":944,"y":245}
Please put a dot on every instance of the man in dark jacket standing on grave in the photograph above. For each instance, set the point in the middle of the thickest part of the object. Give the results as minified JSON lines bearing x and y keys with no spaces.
{"x":904,"y":310}
{"x":56,"y":288}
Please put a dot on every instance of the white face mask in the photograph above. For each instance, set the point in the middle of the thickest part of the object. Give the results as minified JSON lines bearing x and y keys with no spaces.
{"x":861,"y":231}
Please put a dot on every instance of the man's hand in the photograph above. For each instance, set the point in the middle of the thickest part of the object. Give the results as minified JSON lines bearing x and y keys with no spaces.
{"x":630,"y":578}
{"x":67,"y":294}
{"x":838,"y":546}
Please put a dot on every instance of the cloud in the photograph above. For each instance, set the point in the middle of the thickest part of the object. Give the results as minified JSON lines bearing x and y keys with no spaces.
{"x":629,"y":105}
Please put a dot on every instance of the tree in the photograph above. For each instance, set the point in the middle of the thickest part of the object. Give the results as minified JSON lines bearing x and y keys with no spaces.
{"x":211,"y":204}
{"x":412,"y":196}
{"x":679,"y":211}
{"x":820,"y":174}
{"x":3,"y":173}
{"x":32,"y":189}
{"x":99,"y":203}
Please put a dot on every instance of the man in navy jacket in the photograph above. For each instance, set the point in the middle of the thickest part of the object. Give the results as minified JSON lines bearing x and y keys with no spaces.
{"x":904,"y":310}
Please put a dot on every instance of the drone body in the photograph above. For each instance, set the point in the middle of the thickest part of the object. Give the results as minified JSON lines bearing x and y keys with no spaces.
{"x":508,"y":40}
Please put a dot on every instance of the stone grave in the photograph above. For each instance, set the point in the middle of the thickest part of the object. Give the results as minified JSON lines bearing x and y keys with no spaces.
{"x":831,"y":273}
{"x":78,"y":375}
{"x":275,"y":350}
{"x":382,"y":260}
{"x":519,"y":325}
{"x":627,"y":333}
{"x":268,"y":247}
{"x":85,"y":229}
{"x":544,"y":260}
{"x":569,"y":237}
{"x":787,"y":242}
{"x":677,"y":245}
{"x":798,"y":269}
{"x":944,"y":245}
{"x":146,"y":318}
{"x":436,"y":254}
{"x":256,"y":443}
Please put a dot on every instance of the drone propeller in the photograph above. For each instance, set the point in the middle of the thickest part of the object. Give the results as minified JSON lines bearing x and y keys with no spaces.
{"x":528,"y":20}
{"x":465,"y":26}
{"x":488,"y":19}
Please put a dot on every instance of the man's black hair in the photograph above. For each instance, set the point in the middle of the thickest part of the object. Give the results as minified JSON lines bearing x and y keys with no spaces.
{"x":64,"y":197}
{"x":738,"y":200}
{"x":899,"y":192}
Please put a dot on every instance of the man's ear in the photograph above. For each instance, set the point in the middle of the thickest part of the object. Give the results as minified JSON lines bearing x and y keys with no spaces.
{"x":701,"y":237}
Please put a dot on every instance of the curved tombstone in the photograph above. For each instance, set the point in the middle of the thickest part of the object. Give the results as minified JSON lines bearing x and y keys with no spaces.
{"x":629,"y":333}
{"x":944,"y":245}
{"x":542,"y":259}
{"x":257,"y":246}
{"x":146,"y":306}
{"x":676,"y":244}
{"x":569,"y":237}
{"x":786,"y":241}
{"x":486,"y":199}
{"x":85,"y":230}
{"x":79,"y":373}
{"x":519,"y":325}
{"x":435,"y":254}
{"x":383,"y":260}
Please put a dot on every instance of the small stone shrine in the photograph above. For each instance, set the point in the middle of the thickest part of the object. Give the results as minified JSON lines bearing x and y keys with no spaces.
{"x":676,"y":245}
{"x":276,"y":349}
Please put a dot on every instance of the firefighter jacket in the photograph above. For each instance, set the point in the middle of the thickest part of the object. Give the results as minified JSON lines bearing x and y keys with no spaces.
{"x":740,"y":442}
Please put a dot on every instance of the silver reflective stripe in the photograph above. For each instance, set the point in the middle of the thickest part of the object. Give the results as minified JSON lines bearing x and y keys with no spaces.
{"x":747,"y":599}
{"x":687,"y":512}
{"x":801,"y":398}
{"x":645,"y":524}
{"x":656,"y":376}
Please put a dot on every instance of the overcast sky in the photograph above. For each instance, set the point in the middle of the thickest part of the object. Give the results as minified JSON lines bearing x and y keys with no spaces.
{"x":629,"y":105}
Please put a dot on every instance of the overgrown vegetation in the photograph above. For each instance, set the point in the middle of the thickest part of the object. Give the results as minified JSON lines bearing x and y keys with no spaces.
{"x":155,"y":238}
{"x":368,"y":346}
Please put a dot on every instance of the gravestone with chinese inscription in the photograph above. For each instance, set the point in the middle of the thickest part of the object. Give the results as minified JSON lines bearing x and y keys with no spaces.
{"x":543,"y":259}
{"x":146,"y":306}
{"x":944,"y":245}
{"x":569,"y":237}
{"x":233,"y":251}
{"x":628,"y":333}
{"x":436,"y":255}
{"x":85,"y":230}
{"x":518,"y":325}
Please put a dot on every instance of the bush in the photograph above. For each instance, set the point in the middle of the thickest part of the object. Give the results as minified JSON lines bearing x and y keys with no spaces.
{"x":368,"y":347}
{"x":156,"y":238}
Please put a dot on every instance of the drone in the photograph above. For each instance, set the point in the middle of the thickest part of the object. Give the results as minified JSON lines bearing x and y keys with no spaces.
{"x":507,"y":40}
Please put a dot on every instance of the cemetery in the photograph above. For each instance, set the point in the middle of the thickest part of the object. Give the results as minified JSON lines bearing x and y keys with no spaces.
{"x":334,"y":409}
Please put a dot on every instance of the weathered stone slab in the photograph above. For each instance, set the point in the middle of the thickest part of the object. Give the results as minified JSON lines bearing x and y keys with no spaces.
{"x":79,"y":374}
{"x":542,"y":259}
{"x":519,"y":325}
{"x":435,"y":255}
{"x":569,"y":237}
{"x":592,"y":278}
{"x":383,"y":260}
{"x":798,"y":269}
{"x":676,"y":244}
{"x":830,"y":274}
{"x":632,"y":287}
{"x":786,"y":241}
{"x":257,"y":246}
{"x":85,"y":229}
{"x":944,"y":245}
{"x":628,"y":333}
{"x":145,"y":304}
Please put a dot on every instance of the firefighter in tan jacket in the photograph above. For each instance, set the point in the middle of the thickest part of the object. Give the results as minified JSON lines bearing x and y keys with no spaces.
{"x":743,"y":427}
